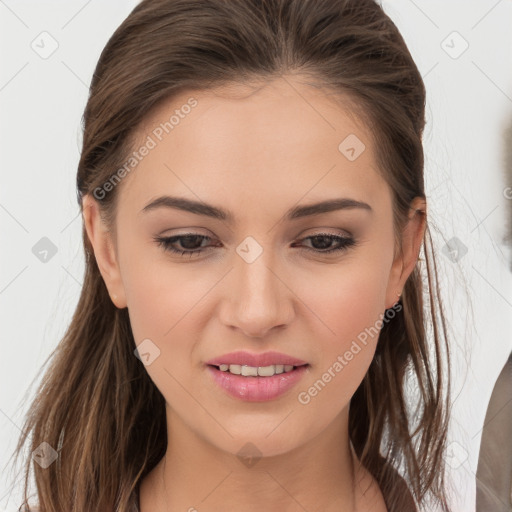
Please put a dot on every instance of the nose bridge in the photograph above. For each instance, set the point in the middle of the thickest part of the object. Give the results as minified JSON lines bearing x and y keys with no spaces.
{"x":257,"y":298}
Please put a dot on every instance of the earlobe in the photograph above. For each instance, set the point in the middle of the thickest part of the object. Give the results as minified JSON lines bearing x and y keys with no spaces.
{"x":104,"y":251}
{"x":406,"y":259}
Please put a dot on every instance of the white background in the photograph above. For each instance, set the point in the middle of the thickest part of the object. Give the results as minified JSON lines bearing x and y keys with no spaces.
{"x":469,"y":105}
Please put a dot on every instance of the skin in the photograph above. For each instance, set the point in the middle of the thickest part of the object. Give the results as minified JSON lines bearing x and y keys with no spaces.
{"x":256,"y":153}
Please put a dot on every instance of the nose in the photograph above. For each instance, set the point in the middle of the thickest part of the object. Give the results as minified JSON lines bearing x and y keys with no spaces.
{"x":258,"y":297}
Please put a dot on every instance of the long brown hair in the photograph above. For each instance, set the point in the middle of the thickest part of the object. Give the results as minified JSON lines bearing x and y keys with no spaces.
{"x":96,"y":405}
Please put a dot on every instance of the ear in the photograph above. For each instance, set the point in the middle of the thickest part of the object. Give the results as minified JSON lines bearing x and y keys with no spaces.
{"x":406,"y":259}
{"x":104,"y":250}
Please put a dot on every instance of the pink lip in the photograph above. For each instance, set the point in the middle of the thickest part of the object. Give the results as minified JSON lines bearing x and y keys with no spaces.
{"x":256,"y":389}
{"x":250,"y":359}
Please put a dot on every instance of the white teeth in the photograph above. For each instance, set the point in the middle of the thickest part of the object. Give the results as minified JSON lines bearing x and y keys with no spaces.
{"x":249,"y":371}
{"x":266,"y":371}
{"x":255,"y":371}
{"x":235,"y":368}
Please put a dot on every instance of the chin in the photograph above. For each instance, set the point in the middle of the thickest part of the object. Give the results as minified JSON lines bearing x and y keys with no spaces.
{"x":267,"y":439}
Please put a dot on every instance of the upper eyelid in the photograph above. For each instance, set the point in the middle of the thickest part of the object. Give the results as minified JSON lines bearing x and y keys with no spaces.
{"x":317,"y":231}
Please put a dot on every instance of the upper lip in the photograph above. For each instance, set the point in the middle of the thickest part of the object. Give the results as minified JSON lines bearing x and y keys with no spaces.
{"x":251,"y":359}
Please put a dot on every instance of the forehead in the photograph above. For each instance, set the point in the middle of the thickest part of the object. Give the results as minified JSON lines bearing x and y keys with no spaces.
{"x":282,"y":139}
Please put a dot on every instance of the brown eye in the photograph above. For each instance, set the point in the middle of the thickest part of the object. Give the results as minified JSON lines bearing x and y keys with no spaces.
{"x":322,"y":243}
{"x":190,"y":243}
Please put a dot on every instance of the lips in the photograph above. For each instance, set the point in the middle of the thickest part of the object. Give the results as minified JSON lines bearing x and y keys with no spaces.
{"x":243,"y":358}
{"x":256,"y":377}
{"x":257,"y":389}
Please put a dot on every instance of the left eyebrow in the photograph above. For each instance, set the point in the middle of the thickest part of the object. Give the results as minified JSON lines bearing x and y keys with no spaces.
{"x":208,"y":210}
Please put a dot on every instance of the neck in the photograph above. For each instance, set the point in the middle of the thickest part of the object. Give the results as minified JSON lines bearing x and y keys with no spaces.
{"x":195,"y":475}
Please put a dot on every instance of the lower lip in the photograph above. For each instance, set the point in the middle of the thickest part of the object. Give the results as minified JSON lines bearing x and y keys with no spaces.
{"x":257,"y":389}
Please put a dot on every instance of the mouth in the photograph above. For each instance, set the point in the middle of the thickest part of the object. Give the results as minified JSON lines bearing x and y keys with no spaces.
{"x":257,"y":371}
{"x":256,"y":383}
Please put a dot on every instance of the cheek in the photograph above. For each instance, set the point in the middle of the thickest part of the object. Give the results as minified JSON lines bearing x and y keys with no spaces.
{"x":346,"y":299}
{"x":157,"y":292}
{"x":165,"y":303}
{"x":348,"y":306}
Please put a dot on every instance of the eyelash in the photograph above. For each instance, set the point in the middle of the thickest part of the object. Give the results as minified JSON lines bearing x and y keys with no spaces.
{"x":166,"y":243}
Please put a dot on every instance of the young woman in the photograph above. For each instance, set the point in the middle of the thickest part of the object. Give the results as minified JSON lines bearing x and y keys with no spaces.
{"x":257,"y":329}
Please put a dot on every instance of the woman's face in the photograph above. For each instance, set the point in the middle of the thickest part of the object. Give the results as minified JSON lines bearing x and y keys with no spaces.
{"x":264,"y":281}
